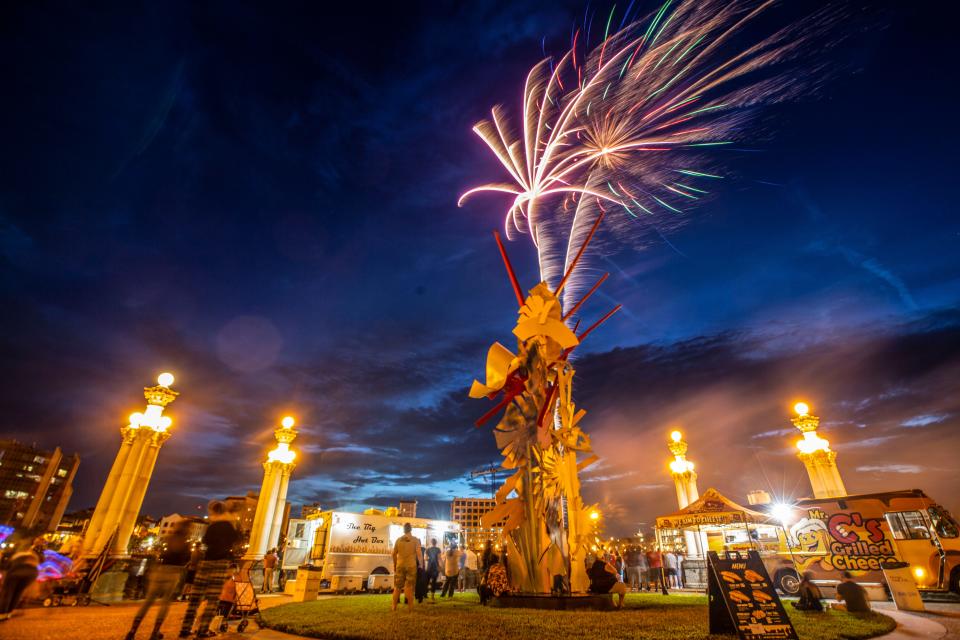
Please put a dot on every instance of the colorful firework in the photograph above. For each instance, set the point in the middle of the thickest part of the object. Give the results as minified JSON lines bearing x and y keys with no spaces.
{"x":629,"y":128}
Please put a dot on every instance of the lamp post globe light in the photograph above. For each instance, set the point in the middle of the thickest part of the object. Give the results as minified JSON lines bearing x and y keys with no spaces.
{"x":268,"y":519}
{"x":122,"y":495}
{"x":817,"y":456}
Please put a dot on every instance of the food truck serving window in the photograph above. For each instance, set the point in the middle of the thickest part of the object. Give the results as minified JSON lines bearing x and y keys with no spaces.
{"x":908,"y":525}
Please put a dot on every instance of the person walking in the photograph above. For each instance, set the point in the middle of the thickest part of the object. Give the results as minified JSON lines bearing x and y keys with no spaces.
{"x":163,"y":578}
{"x":20,"y":574}
{"x":219,"y":539}
{"x":407,"y":558}
{"x":451,"y":570}
{"x":433,"y":567}
{"x":269,"y":568}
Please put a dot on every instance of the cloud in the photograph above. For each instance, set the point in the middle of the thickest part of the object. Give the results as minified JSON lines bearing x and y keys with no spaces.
{"x":892,"y":468}
{"x":923,"y":420}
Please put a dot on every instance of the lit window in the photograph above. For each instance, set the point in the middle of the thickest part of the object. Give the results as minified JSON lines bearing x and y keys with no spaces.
{"x":62,"y":473}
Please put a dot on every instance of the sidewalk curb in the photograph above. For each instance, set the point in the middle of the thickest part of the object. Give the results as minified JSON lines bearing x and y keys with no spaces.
{"x":912,"y":626}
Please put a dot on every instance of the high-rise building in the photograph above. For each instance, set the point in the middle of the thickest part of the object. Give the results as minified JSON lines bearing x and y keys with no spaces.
{"x":467,"y":513}
{"x":35,"y":485}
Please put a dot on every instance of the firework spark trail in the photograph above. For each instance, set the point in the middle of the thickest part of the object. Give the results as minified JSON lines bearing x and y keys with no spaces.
{"x":626,"y":126}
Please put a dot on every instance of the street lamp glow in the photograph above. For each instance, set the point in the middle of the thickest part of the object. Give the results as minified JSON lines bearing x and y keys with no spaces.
{"x":782,"y":512}
{"x":135,"y":418}
{"x":676,"y":436}
{"x":288,"y":422}
{"x":165,"y":379}
{"x":801,"y":408}
{"x":594,"y":515}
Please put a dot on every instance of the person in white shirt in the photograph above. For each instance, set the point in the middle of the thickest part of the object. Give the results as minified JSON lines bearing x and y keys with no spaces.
{"x":451,"y":570}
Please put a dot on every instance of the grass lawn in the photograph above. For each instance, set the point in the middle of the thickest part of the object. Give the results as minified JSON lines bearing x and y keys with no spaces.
{"x":644,"y":617}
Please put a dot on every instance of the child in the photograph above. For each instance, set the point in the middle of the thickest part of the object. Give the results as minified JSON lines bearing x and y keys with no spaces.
{"x":228,"y":595}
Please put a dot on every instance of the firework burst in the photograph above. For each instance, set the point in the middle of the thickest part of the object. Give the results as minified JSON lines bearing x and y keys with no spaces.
{"x":629,"y":127}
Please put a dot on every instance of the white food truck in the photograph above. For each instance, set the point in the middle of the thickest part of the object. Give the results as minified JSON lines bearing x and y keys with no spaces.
{"x":354,"y":550}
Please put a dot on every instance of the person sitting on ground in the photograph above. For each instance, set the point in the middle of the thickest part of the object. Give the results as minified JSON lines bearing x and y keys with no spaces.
{"x":494,"y":580}
{"x":852,"y":595}
{"x":604,"y":579}
{"x":809,"y":595}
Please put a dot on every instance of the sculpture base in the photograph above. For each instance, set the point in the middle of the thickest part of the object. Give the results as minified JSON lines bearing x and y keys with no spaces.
{"x":595,"y":602}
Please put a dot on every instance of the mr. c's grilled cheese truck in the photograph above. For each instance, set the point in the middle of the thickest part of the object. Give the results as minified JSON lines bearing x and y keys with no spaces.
{"x":864,"y":533}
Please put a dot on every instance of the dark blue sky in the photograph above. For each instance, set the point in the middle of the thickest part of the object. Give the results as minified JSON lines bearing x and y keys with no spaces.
{"x":262,"y":199}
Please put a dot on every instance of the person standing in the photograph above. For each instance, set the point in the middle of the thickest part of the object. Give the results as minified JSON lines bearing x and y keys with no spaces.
{"x":471,"y":565}
{"x":670,"y":568}
{"x":451,"y":570}
{"x":163,"y":579}
{"x":655,"y":562}
{"x":220,"y":538}
{"x":20,"y":574}
{"x":269,"y":568}
{"x":407,"y":558}
{"x":633,"y":568}
{"x":433,"y":567}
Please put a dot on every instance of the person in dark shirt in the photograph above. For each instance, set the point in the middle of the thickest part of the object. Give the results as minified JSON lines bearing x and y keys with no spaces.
{"x":164,"y":578}
{"x":852,"y":594}
{"x":809,"y":595}
{"x":605,"y":579}
{"x":220,"y":539}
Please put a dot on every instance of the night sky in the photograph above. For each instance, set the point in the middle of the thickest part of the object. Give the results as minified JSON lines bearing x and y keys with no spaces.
{"x":261,"y":198}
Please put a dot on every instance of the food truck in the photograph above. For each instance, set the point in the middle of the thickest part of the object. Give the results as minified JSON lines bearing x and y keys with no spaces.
{"x":827,"y":536}
{"x":864,"y":533}
{"x":354,"y":550}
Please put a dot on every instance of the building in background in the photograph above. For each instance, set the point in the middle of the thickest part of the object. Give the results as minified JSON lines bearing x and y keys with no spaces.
{"x":308,"y":510}
{"x":197,"y":526}
{"x":467,"y":513}
{"x":408,"y":508}
{"x":35,"y":485}
{"x":242,"y":509}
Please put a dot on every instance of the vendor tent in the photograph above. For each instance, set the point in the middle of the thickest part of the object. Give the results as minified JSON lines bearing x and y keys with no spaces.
{"x":712,"y":508}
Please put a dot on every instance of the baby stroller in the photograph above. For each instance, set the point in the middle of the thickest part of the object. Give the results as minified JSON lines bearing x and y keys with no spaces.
{"x":69,"y":590}
{"x":245,"y":604}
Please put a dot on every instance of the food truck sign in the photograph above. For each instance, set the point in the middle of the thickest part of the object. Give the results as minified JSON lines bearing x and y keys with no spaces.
{"x":842,"y":541}
{"x":355,"y":533}
{"x":743,"y":600}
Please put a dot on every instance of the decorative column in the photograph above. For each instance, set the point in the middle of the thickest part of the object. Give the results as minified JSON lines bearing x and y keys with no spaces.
{"x":684,"y":477}
{"x":126,"y":485}
{"x":273,"y":493}
{"x":685,"y":481}
{"x":816,"y":455}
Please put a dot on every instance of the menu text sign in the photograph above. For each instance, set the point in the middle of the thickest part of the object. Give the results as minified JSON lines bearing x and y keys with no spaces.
{"x":743,"y":600}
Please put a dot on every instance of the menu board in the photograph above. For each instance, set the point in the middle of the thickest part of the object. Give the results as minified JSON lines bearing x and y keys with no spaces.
{"x":743,"y":600}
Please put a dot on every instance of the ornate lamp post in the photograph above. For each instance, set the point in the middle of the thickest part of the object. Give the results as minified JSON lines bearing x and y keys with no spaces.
{"x":273,"y":493}
{"x":122,"y":495}
{"x":685,"y":481}
{"x":816,"y":455}
{"x":684,"y":477}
